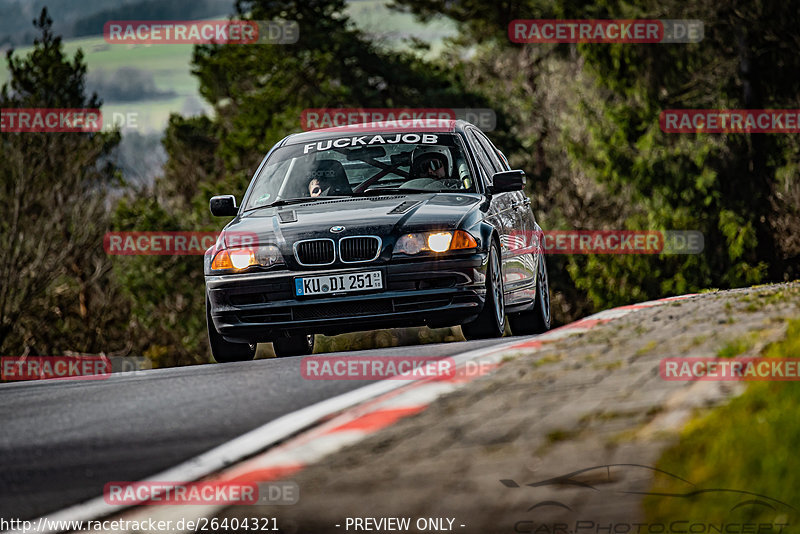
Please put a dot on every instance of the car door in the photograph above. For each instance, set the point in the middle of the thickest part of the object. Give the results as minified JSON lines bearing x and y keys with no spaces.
{"x":502,"y":213}
{"x":521,"y":273}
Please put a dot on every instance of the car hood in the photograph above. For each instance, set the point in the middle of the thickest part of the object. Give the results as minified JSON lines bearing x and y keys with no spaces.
{"x":384,"y":216}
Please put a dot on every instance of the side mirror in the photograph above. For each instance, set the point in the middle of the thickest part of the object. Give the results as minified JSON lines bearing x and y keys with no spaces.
{"x":507,"y":181}
{"x":223,"y":206}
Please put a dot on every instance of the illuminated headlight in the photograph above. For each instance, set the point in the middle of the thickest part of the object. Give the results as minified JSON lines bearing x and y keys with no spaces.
{"x":440,"y":242}
{"x":434,"y":242}
{"x":244,"y":257}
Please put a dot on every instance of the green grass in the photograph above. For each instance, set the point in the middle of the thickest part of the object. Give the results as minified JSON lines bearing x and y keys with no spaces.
{"x":647,"y":348}
{"x":758,"y":301}
{"x":609,"y":366}
{"x":605,"y":416}
{"x":737,"y":346}
{"x":553,"y":358}
{"x":561,"y":435}
{"x":750,"y":445}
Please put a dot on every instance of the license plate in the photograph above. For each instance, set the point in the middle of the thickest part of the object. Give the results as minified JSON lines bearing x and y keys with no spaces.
{"x":337,"y":283}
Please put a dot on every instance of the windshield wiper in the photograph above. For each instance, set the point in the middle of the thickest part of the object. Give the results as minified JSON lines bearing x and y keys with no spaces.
{"x":393,"y":191}
{"x":290,"y":201}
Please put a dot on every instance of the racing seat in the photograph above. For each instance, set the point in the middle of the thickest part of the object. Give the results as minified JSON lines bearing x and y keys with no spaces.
{"x":331,"y":173}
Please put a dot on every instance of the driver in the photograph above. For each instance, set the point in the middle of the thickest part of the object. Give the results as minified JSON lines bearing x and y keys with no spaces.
{"x":434,"y":162}
{"x":314,"y":187}
{"x":319,"y":183}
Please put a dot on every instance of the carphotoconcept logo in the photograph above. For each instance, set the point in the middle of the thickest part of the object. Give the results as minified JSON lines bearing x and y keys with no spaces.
{"x":631,"y":31}
{"x":730,"y":121}
{"x":383,"y":118}
{"x":621,"y":487}
{"x":242,"y":32}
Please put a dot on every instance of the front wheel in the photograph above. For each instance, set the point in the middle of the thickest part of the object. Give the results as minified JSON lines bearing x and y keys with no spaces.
{"x":491,"y":322}
{"x":224,"y":351}
{"x":293,"y":346}
{"x":536,"y":320}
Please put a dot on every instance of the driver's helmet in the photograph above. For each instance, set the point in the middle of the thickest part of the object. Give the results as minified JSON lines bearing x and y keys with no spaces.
{"x":430,"y":157}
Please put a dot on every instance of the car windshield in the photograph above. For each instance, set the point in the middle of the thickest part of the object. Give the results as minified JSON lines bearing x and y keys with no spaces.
{"x":353,"y":165}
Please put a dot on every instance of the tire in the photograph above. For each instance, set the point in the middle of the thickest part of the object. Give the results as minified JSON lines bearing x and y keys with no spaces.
{"x":491,"y":322}
{"x":225,"y":351}
{"x":537,"y":319}
{"x":293,"y":346}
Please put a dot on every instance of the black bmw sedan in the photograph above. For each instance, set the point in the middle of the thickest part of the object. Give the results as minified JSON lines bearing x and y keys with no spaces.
{"x":373,"y":226}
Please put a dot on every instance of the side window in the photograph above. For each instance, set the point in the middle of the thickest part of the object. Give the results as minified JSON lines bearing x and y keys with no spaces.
{"x":482,"y":156}
{"x":492,"y":152}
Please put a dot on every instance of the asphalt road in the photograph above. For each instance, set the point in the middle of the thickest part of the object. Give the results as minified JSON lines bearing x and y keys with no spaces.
{"x":62,"y":441}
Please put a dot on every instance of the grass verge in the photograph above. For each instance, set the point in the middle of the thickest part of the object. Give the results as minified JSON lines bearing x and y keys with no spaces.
{"x":749,"y":446}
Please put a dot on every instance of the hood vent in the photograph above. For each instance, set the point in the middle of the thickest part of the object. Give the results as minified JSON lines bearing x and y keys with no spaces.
{"x":287,"y":216}
{"x":405,"y":206}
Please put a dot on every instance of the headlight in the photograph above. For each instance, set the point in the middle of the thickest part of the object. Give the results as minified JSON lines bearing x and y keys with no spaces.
{"x":434,"y":242}
{"x":244,"y":257}
{"x":440,"y":242}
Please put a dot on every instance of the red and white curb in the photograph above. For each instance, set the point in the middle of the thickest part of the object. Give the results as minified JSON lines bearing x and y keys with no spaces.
{"x":304,"y":437}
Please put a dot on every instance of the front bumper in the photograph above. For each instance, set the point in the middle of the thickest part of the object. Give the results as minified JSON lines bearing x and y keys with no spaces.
{"x":257,"y":307}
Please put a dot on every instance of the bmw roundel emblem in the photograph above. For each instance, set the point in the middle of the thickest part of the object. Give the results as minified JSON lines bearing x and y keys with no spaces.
{"x":337,"y":229}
